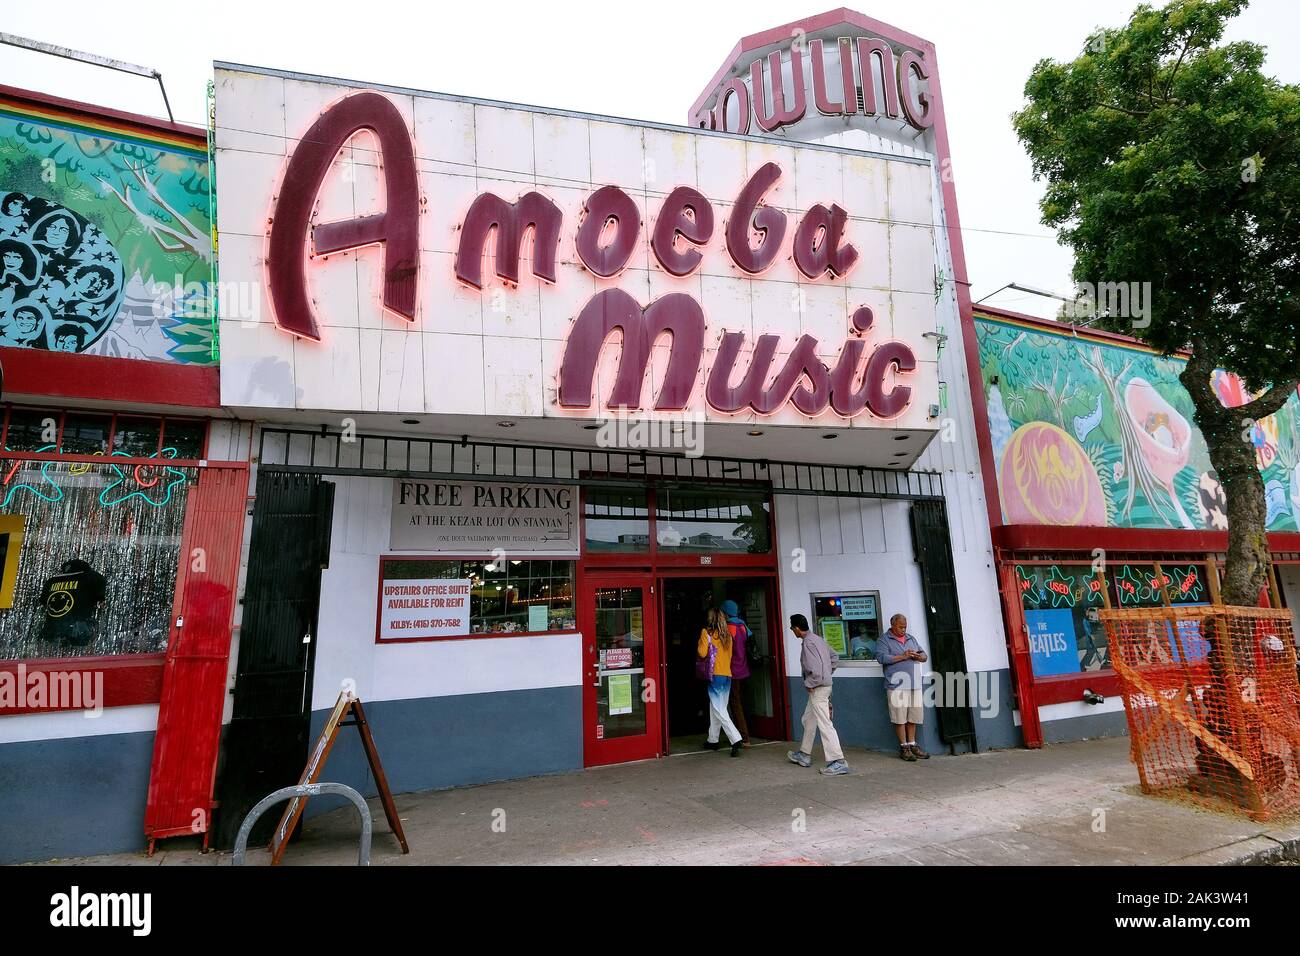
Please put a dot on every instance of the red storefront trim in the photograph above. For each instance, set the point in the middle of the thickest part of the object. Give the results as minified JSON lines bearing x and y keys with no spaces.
{"x":1031,"y":537}
{"x":1064,"y":688}
{"x":130,"y":679}
{"x":55,"y":375}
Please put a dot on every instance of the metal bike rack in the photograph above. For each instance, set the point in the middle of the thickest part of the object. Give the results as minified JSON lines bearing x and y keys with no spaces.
{"x":306,"y":790}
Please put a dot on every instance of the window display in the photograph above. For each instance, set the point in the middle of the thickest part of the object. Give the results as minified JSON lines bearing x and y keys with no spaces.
{"x":849,"y":622}
{"x":1060,"y":603}
{"x":430,"y":598}
{"x":95,"y":573}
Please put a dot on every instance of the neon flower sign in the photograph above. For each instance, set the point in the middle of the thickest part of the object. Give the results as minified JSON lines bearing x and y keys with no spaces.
{"x":609,"y":230}
{"x":142,"y":481}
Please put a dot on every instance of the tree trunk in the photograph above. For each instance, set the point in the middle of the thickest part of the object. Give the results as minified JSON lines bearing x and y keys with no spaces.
{"x":1245,"y":573}
{"x":1227,"y":434}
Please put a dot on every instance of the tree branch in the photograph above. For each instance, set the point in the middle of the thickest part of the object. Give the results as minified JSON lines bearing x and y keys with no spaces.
{"x":1267,"y":404}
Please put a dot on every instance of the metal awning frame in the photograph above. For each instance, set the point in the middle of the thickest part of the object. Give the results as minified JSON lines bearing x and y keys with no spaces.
{"x":325,"y":452}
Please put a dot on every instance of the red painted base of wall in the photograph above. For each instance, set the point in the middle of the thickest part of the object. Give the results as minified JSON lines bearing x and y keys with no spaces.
{"x":136,"y":679}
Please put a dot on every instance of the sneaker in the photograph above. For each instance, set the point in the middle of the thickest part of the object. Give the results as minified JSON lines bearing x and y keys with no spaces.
{"x":835,"y":768}
{"x":711,"y":745}
{"x":918,"y":753}
{"x":735,"y":748}
{"x":799,"y":757}
{"x":906,"y":753}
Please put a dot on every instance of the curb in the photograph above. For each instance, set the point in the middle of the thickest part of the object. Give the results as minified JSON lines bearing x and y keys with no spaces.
{"x":1266,"y":849}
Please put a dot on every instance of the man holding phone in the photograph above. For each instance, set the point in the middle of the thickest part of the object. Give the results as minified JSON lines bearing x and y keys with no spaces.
{"x":901,"y":655}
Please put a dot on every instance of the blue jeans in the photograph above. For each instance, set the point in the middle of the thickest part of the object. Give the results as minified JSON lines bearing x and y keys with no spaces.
{"x":719,"y":718}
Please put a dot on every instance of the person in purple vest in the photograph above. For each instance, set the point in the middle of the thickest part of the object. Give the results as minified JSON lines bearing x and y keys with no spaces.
{"x":740,"y":641}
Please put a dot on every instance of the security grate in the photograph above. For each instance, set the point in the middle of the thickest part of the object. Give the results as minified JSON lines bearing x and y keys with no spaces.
{"x":331,"y":453}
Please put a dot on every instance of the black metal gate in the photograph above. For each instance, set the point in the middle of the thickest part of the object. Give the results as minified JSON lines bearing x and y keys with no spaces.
{"x":266,"y":742}
{"x":933,"y":548}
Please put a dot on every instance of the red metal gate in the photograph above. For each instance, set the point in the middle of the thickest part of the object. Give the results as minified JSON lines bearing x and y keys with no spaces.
{"x":198,"y":653}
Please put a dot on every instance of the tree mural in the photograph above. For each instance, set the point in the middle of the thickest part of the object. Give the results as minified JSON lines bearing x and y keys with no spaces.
{"x":1127,"y":414}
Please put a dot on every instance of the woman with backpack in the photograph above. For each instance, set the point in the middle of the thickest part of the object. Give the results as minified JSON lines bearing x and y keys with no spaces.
{"x":742,"y":648}
{"x":715,"y":655}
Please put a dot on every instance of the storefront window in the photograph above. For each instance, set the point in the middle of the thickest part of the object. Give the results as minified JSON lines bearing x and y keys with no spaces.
{"x":32,"y":429}
{"x":1060,"y":602}
{"x":96,"y":571}
{"x":1138,"y":585}
{"x":849,"y":622}
{"x":427,"y":598}
{"x":85,"y":434}
{"x":39,"y":430}
{"x":730,"y":522}
{"x":187,"y":437}
{"x":137,"y":437}
{"x":616,"y":521}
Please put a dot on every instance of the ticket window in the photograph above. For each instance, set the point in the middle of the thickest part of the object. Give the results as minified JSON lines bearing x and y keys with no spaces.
{"x":849,"y":621}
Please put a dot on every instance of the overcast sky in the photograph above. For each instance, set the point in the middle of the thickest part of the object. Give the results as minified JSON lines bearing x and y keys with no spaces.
{"x":618,"y":59}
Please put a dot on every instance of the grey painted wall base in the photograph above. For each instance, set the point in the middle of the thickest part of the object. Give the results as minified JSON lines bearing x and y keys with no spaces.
{"x":433,"y":743}
{"x":862,"y":720}
{"x":1087,"y":727}
{"x":73,"y":796}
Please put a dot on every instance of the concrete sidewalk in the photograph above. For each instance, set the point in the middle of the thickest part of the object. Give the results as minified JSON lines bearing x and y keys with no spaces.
{"x":1005,"y":807}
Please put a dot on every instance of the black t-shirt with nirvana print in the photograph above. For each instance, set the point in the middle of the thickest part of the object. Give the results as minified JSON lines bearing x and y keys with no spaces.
{"x":70,"y":601}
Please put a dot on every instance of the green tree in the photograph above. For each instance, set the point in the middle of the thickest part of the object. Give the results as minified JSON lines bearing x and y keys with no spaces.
{"x":1171,"y":158}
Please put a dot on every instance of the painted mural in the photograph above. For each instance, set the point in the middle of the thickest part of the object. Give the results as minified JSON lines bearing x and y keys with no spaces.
{"x":1085,"y":432}
{"x":105,"y":238}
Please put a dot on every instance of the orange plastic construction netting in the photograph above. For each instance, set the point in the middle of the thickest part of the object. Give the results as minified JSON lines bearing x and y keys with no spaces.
{"x":1213,"y":704}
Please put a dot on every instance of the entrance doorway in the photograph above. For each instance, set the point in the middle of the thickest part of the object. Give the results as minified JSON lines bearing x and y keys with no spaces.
{"x":621,"y":658}
{"x":640,"y":635}
{"x":685,"y":602}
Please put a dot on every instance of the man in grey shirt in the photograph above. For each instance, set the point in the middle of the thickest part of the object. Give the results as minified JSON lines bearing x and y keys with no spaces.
{"x":901,"y":655}
{"x":818,"y":662}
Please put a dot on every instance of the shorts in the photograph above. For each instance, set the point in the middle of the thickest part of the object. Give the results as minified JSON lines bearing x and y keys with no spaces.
{"x":905,"y":705}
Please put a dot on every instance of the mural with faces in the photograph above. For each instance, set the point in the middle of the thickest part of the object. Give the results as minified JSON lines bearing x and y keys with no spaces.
{"x":105,"y":237}
{"x":60,"y":277}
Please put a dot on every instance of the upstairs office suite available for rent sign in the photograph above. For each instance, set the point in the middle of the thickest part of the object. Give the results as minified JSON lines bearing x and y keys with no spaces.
{"x":478,"y":517}
{"x":422,"y":608}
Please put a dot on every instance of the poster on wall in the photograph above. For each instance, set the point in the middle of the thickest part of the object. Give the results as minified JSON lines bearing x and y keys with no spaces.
{"x":478,"y":517}
{"x":423,"y":608}
{"x":1052,"y":644}
{"x":858,"y":607}
{"x":105,"y":238}
{"x":833,"y":633}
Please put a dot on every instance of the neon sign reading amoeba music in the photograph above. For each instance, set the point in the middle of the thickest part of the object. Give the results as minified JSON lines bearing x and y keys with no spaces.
{"x":150,"y":483}
{"x":606,"y":238}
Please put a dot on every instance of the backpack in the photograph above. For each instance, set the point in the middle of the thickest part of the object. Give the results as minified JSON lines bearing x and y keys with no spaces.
{"x":752,"y":654}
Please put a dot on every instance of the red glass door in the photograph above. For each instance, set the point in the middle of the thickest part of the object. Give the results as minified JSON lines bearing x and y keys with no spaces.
{"x":620,"y":657}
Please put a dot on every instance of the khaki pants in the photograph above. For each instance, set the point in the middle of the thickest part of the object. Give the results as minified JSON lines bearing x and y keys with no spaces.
{"x":817,"y":717}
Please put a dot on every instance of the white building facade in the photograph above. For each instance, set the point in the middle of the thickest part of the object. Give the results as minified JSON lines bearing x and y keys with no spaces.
{"x":533,"y":389}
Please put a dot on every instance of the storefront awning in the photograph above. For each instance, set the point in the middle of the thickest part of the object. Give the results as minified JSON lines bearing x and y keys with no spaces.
{"x":384,"y":456}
